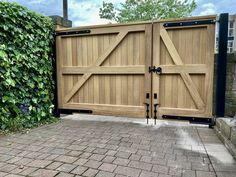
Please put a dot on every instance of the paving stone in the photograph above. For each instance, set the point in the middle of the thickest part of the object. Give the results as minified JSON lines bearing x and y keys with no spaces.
{"x":24,"y":161}
{"x":126,"y":149}
{"x":189,"y":173}
{"x":105,"y":174}
{"x":132,"y":172}
{"x":54,"y":165}
{"x":90,"y":172}
{"x":124,"y":155}
{"x":8,"y":168}
{"x":164,"y":175}
{"x":81,"y":161}
{"x":121,"y":148}
{"x":175,"y":171}
{"x":39,"y":163}
{"x":92,"y":164}
{"x":44,"y":173}
{"x":148,"y":174}
{"x":107,"y":167}
{"x":13,"y":175}
{"x":226,"y":174}
{"x":14,"y":159}
{"x":3,"y":174}
{"x":74,"y":153}
{"x":111,"y":152}
{"x":66,"y":159}
{"x":85,"y":155}
{"x":160,"y":169}
{"x":135,"y":157}
{"x":108,"y":159}
{"x":200,"y":166}
{"x":28,"y":171}
{"x":121,"y":161}
{"x":146,"y":159}
{"x":63,"y":174}
{"x":100,"y":151}
{"x":205,"y":174}
{"x":79,"y":170}
{"x":66,"y":167}
{"x":177,"y":164}
{"x":140,"y":165}
{"x":97,"y":157}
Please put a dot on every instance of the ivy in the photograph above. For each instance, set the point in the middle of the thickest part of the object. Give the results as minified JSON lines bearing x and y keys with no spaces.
{"x":25,"y":68}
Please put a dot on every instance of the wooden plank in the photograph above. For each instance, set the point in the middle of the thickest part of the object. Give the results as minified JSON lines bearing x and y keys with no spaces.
{"x":182,"y":112}
{"x":60,"y":84}
{"x":210,"y":72}
{"x":185,"y":76}
{"x":130,"y":62}
{"x":108,"y":109}
{"x":98,"y":62}
{"x":105,"y":70}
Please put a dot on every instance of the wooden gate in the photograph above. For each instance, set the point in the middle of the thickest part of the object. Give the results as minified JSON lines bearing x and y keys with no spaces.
{"x":102,"y":68}
{"x":184,"y":50}
{"x":108,"y":69}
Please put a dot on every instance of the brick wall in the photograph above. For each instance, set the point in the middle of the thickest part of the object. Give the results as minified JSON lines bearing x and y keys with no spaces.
{"x":230,"y":95}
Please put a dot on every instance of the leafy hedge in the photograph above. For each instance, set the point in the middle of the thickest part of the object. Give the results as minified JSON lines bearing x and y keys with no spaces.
{"x":25,"y":67}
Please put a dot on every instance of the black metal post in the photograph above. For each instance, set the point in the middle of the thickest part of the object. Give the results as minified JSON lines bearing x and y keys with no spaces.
{"x":221,"y":65}
{"x":56,"y":111}
{"x":65,"y":9}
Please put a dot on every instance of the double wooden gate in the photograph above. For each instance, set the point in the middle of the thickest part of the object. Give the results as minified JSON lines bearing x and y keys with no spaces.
{"x":115,"y":69}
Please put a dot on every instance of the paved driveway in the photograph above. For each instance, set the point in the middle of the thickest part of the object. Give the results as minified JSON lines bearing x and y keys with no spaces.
{"x":101,"y":148}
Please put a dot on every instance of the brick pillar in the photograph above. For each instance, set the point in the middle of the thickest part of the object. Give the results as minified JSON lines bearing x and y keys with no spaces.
{"x":61,"y":22}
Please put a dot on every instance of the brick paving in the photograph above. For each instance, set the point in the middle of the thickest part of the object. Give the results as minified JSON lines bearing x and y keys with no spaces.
{"x":91,"y":147}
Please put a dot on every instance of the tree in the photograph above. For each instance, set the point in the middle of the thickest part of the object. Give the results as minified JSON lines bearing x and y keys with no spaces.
{"x":143,"y":10}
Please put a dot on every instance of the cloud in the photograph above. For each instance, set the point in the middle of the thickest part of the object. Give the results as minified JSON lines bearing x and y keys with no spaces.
{"x":87,"y":12}
{"x":208,"y":9}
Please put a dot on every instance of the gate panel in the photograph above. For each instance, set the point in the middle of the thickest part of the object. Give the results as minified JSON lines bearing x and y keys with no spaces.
{"x":185,"y":55}
{"x":106,"y":70}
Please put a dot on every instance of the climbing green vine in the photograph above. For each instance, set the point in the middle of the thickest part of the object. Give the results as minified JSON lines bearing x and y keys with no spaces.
{"x":25,"y":68}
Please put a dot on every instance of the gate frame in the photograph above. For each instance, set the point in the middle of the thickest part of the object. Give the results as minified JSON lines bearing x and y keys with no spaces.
{"x":58,"y":111}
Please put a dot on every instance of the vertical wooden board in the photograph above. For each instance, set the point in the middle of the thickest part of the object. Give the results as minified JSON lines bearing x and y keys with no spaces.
{"x":85,"y":88}
{"x":174,"y":91}
{"x":124,"y":62}
{"x":204,"y":46}
{"x":112,"y":57}
{"x":101,"y":78}
{"x":136,"y":93}
{"x":60,"y":86}
{"x":95,"y":77}
{"x":90,"y":62}
{"x":112,"y":60}
{"x":196,"y":52}
{"x":210,"y":63}
{"x":106,"y":41}
{"x":118,"y":77}
{"x":145,"y":48}
{"x":80,"y":94}
{"x":68,"y":62}
{"x":130,"y":62}
{"x":74,"y":63}
{"x":156,"y":61}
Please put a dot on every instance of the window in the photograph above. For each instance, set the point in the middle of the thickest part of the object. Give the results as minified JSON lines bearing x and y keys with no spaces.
{"x":231,"y":24}
{"x":231,"y":29}
{"x":230,"y":46}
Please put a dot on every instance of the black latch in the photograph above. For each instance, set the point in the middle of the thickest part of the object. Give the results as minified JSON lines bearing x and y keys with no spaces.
{"x":155,"y":69}
{"x":147,"y":111}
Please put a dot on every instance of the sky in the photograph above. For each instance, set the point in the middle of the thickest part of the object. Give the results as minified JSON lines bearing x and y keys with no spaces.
{"x":86,"y":12}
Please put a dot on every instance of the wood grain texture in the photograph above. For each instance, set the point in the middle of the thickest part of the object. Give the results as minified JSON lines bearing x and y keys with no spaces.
{"x":107,"y":70}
